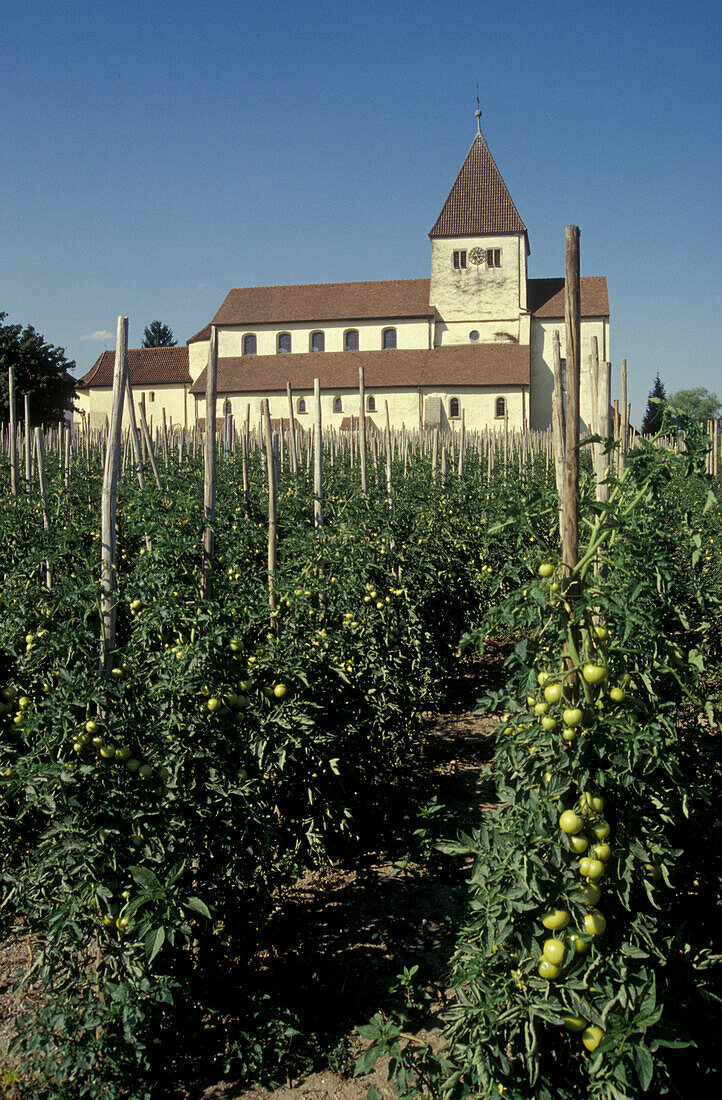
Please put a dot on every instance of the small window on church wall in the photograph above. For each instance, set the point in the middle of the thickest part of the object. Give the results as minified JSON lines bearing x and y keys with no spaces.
{"x":301,"y":406}
{"x":337,"y":405}
{"x":284,"y":343}
{"x":459,"y":258}
{"x":151,"y":395}
{"x":371,"y":405}
{"x":454,"y":408}
{"x":318,"y":342}
{"x":500,"y":408}
{"x":493,"y":257}
{"x":350,"y":342}
{"x":389,"y":338}
{"x":249,"y":344}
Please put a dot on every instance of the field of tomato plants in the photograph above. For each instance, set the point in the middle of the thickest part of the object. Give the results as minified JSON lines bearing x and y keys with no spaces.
{"x":152,"y":813}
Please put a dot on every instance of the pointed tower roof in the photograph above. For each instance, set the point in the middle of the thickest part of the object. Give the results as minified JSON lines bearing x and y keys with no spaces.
{"x":478,"y":203}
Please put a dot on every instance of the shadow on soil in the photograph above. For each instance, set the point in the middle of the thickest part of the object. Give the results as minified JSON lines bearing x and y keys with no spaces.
{"x":334,"y":950}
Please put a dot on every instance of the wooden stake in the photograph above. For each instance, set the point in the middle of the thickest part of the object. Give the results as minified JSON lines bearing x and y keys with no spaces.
{"x":272,"y":520}
{"x":40,"y":451}
{"x":109,"y":501}
{"x":13,"y":433}
{"x":362,"y":428}
{"x":209,"y":466}
{"x":570,"y":518}
{"x":317,"y":456}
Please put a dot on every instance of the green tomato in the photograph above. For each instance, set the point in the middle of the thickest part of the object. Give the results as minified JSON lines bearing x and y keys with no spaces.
{"x":546,"y":569}
{"x":578,"y":844}
{"x":569,"y":735}
{"x":553,"y":693}
{"x":553,"y":951}
{"x":549,"y":723}
{"x":540,"y":709}
{"x":574,"y":1023}
{"x":595,"y":869}
{"x":548,"y":970}
{"x":594,"y":674}
{"x":555,"y":919}
{"x":214,"y":704}
{"x":602,"y":851}
{"x":594,"y":923}
{"x":580,"y":946}
{"x":592,"y":1037}
{"x":572,"y":716}
{"x":601,"y":829}
{"x":570,"y":822}
{"x":591,"y":893}
{"x":617,"y":695}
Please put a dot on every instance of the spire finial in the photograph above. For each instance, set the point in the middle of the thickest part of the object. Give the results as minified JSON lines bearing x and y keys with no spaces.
{"x":478,"y":112}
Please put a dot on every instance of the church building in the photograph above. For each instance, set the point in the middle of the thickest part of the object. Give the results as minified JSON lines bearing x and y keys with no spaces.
{"x":473,"y":340}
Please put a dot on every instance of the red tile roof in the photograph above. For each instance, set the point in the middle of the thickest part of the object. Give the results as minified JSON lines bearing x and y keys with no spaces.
{"x":147,"y":366}
{"x":478,"y":203}
{"x":453,"y":365}
{"x":204,"y":334}
{"x":546,"y":297}
{"x":319,"y":302}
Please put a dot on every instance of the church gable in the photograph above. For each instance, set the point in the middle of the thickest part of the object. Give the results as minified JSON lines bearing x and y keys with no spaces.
{"x":479,"y":203}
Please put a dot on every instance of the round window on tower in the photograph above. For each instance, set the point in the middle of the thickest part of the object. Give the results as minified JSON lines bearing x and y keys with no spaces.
{"x":473,"y":335}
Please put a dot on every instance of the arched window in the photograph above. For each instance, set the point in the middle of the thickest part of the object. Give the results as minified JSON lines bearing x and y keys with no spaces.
{"x":337,"y":405}
{"x":283,"y":344}
{"x":371,"y":405}
{"x":318,"y":342}
{"x":454,"y":409}
{"x":350,"y":341}
{"x":500,"y":408}
{"x":389,"y":338}
{"x":301,"y":406}
{"x":249,"y":343}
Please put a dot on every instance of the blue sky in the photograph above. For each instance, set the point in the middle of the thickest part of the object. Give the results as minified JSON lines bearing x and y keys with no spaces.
{"x":157,"y":154}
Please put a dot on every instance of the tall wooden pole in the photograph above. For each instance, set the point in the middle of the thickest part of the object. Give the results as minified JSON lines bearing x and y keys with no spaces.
{"x":317,"y":456}
{"x":209,"y":466}
{"x":362,"y":427}
{"x":292,"y":430}
{"x":109,"y":500}
{"x":13,"y":433}
{"x":570,"y":517}
{"x":28,"y":445}
{"x":624,"y":442}
{"x":272,"y":518}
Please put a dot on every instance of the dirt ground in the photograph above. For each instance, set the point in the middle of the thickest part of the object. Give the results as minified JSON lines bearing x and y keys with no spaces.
{"x":342,"y":934}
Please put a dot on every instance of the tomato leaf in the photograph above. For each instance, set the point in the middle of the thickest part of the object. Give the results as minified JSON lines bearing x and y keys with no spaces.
{"x":153,"y":942}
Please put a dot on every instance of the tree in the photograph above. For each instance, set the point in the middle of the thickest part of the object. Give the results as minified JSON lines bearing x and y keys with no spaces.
{"x":699,"y":403}
{"x":655,"y":408}
{"x":41,"y":371}
{"x":158,"y":335}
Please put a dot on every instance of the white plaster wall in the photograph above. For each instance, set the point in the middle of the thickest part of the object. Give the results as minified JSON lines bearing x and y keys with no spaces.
{"x":478,"y":293}
{"x":490,"y":332}
{"x":477,"y":402}
{"x":173,"y":398}
{"x":542,"y":371}
{"x":410,"y":334}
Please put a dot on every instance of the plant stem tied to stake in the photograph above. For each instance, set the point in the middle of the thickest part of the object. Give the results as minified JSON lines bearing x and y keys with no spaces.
{"x":108,"y":572}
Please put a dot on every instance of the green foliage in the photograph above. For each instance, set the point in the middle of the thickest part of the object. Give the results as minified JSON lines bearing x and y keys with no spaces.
{"x":41,"y":371}
{"x":698,"y":403}
{"x":158,"y":335}
{"x":645,"y":615}
{"x":654,"y":412}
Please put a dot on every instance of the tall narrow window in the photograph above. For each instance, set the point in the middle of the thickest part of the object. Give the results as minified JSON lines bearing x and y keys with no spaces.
{"x":151,"y":395}
{"x":493,"y":257}
{"x":371,"y":404}
{"x":249,"y":343}
{"x":301,"y":406}
{"x":459,"y":259}
{"x":318,"y":342}
{"x":350,"y":342}
{"x":454,"y":412}
{"x":283,"y":344}
{"x":500,"y":411}
{"x":389,"y":338}
{"x":337,"y":405}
